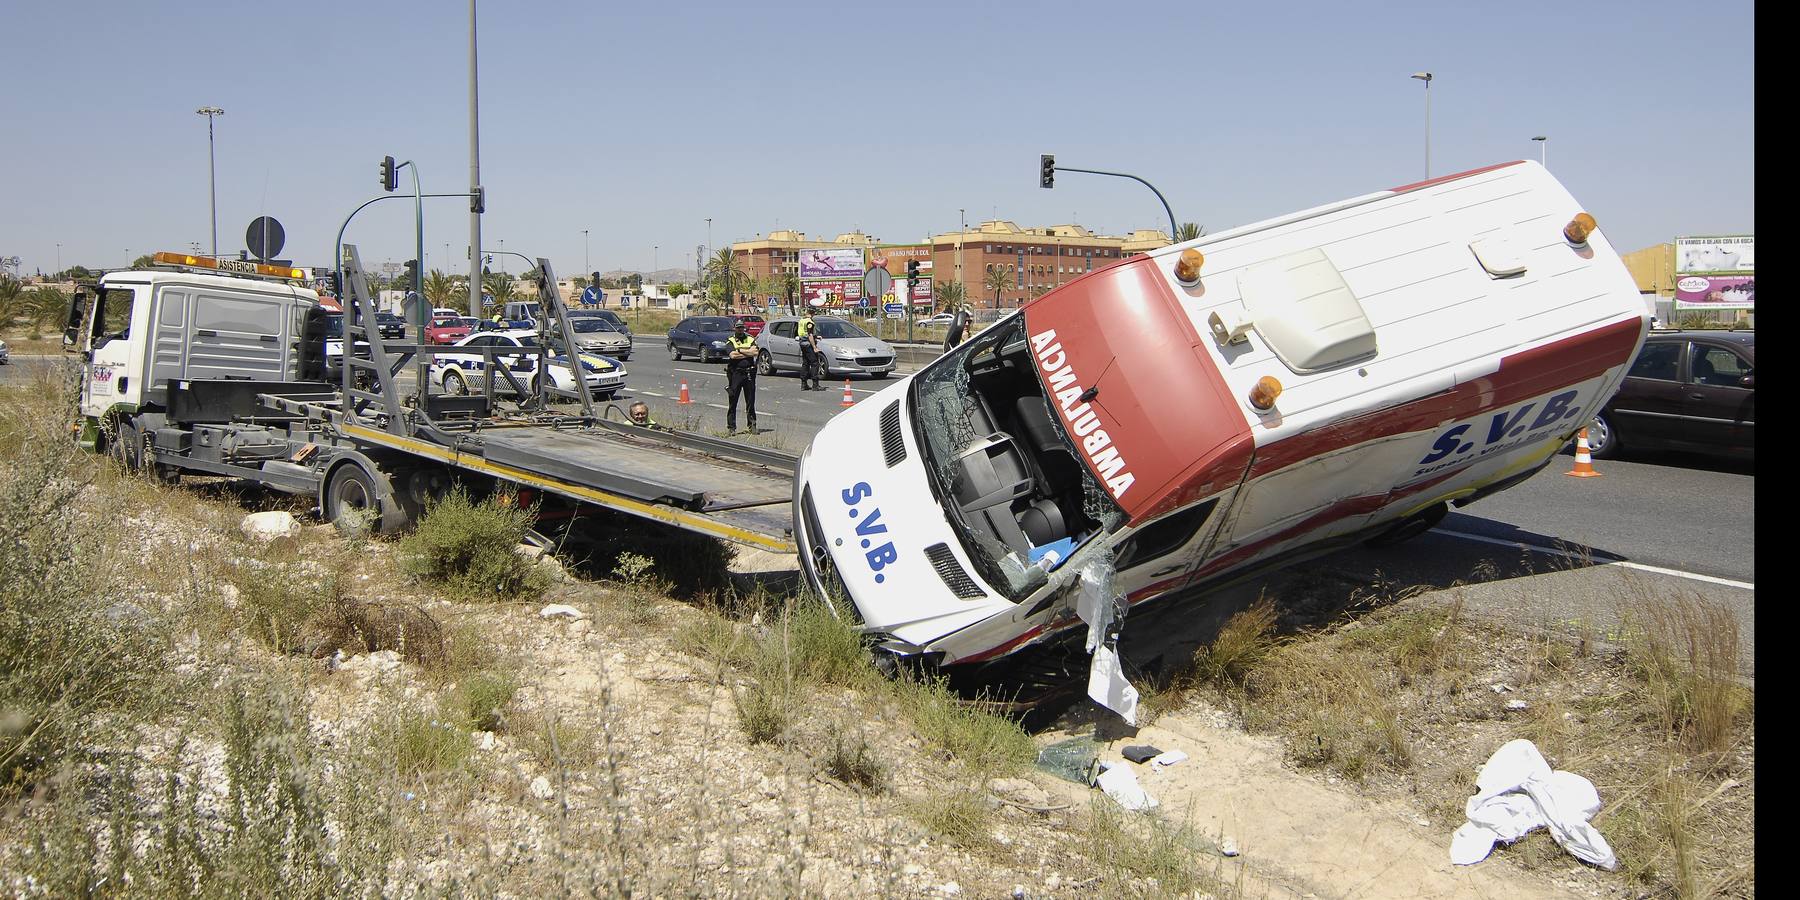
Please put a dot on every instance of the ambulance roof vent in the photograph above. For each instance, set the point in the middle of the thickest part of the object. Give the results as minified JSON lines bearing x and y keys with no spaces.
{"x":1300,"y":304}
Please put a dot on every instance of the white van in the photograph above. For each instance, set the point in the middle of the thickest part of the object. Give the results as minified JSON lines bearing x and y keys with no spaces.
{"x":1187,"y":416}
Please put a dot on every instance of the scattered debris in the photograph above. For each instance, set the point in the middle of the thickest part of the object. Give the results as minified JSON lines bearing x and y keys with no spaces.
{"x":1502,"y":688}
{"x":1101,"y":609}
{"x":267,"y":526}
{"x":484,"y":740}
{"x":1070,"y":760}
{"x":560,"y":609}
{"x":1141,"y":753}
{"x":1516,"y":704}
{"x":1108,"y":686}
{"x":1168,"y":758}
{"x":1517,"y":793}
{"x":1228,"y":847}
{"x":1018,"y":892}
{"x":1121,"y":784}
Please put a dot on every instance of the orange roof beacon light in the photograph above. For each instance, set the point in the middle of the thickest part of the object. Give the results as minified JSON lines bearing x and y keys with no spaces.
{"x":1263,"y":394}
{"x":1579,"y":228}
{"x":241,"y":267}
{"x":1187,"y":268}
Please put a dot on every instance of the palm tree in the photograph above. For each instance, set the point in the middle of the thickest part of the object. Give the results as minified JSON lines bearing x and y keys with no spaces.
{"x":500,"y":285}
{"x":997,"y":280}
{"x":950,"y":295}
{"x":11,"y":304}
{"x":440,"y":289}
{"x":725,"y":266}
{"x":1188,"y":231}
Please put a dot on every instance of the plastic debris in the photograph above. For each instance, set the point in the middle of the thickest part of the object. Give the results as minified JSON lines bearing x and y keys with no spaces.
{"x":1121,"y":784}
{"x":1517,"y":793}
{"x":1095,"y":603}
{"x":1108,"y":686}
{"x":1228,"y":847}
{"x":1168,"y":758}
{"x":1070,"y":760}
{"x":1516,"y":704}
{"x":561,"y":609}
{"x":1140,"y":753}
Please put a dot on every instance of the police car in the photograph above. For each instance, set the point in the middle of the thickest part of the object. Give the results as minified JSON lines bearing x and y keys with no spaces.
{"x":462,"y":373}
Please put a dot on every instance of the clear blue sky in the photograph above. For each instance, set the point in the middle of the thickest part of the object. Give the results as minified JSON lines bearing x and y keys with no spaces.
{"x":637,"y":121}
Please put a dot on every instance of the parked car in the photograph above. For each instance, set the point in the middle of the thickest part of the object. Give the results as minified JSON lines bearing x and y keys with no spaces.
{"x":848,"y":350}
{"x":1693,"y":391}
{"x":606,"y":314}
{"x":753,"y":324}
{"x":459,"y":373}
{"x":597,"y":335}
{"x":941,"y":319}
{"x":449,"y":329}
{"x":702,"y":336}
{"x":4,"y":358}
{"x":391,"y":326}
{"x":522,"y":310}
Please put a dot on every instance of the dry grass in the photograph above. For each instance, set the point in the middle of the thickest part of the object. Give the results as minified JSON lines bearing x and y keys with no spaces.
{"x":960,"y":813}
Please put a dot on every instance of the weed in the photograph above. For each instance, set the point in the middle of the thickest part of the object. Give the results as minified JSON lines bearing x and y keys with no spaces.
{"x":716,"y":640}
{"x":468,"y":549}
{"x":482,"y":698}
{"x":426,"y":745}
{"x":1127,"y":845}
{"x":768,"y":706}
{"x":960,"y":814}
{"x":851,"y":762}
{"x":825,"y":648}
{"x":1684,"y":652}
{"x":982,"y":740}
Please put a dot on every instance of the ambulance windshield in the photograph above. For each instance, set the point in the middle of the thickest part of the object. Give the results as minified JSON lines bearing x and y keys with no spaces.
{"x":1000,"y":465}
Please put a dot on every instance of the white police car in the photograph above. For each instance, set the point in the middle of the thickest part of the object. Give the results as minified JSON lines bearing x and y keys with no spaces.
{"x":462,"y":373}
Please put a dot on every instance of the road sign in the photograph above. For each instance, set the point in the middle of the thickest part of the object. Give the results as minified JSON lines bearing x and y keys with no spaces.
{"x":772,"y":303}
{"x":265,"y":237}
{"x":877,"y":282}
{"x":894,"y":310}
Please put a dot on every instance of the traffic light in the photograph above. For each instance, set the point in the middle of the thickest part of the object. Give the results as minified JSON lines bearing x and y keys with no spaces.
{"x":1047,"y":171}
{"x":390,"y":177}
{"x":912,"y":277}
{"x":411,"y":276}
{"x":478,"y":200}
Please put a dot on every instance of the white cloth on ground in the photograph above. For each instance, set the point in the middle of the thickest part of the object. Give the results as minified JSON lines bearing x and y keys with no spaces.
{"x":1120,"y":783}
{"x":1517,"y":793}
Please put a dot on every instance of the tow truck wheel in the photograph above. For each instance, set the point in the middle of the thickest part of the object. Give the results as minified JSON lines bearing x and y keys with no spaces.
{"x":454,"y":384}
{"x":353,"y":489}
{"x":125,"y":446}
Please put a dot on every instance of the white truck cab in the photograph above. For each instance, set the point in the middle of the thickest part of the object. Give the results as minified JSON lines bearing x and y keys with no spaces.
{"x":141,"y":328}
{"x":1181,"y":418}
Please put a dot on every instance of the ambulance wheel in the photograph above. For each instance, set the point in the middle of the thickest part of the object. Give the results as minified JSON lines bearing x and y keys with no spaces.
{"x":1603,"y":441}
{"x":454,"y":384}
{"x":1411,"y":527}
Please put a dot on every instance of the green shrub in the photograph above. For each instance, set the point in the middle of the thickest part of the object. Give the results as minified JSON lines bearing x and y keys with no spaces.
{"x":968,"y":730}
{"x":482,"y":698}
{"x":468,"y":549}
{"x":826,"y":649}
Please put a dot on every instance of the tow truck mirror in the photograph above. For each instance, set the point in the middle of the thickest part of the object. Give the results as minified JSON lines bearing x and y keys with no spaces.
{"x":72,"y":320}
{"x":958,"y":325}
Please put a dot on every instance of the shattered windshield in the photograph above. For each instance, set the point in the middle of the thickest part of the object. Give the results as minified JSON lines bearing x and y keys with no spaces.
{"x":1000,"y":463}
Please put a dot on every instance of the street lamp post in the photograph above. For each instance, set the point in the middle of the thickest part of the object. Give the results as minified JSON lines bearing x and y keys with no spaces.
{"x":1426,"y":77}
{"x":1543,"y":142}
{"x":584,"y":252}
{"x":212,"y":180}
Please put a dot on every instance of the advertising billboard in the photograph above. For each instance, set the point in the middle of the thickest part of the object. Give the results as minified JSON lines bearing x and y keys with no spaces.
{"x":894,"y":258}
{"x":1719,"y":255}
{"x":1715,"y":292}
{"x":831,"y":292}
{"x":921,"y":295}
{"x":832,"y":263}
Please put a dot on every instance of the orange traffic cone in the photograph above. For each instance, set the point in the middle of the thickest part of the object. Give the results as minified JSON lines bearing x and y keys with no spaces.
{"x":1584,"y":464}
{"x":848,"y":400}
{"x":684,"y":393}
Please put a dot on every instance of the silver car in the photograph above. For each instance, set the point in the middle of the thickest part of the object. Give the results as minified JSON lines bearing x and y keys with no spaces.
{"x":848,"y":350}
{"x":597,"y":335}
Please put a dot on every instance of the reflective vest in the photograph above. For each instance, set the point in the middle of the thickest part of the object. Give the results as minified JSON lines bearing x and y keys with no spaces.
{"x":807,"y":328}
{"x":735,"y":344}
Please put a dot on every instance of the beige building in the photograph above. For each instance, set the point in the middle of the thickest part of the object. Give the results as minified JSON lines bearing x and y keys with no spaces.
{"x":1031,"y":260}
{"x":1653,"y":268}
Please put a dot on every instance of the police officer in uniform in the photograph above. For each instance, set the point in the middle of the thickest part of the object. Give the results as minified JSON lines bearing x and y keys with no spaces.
{"x":740,"y":369}
{"x":810,"y":360}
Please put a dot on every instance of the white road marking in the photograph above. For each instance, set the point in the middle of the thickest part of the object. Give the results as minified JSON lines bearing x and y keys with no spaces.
{"x":1640,"y":567}
{"x":840,"y":392}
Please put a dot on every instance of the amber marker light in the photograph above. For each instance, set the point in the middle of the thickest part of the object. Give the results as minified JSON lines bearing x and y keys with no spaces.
{"x":1263,"y":395}
{"x":1579,"y":228}
{"x":1187,"y":268}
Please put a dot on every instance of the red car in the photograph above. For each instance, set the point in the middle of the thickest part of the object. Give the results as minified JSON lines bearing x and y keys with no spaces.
{"x":752,"y":324}
{"x":448,"y":330}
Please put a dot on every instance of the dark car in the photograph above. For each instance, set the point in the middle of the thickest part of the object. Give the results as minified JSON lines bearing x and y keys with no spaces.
{"x":702,"y":336}
{"x":392,"y":326}
{"x":1692,"y":391}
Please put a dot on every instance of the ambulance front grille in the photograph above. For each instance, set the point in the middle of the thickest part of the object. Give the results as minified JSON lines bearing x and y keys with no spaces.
{"x":892,"y":444}
{"x":952,"y":572}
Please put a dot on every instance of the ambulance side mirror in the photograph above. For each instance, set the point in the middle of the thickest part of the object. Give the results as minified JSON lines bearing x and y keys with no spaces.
{"x":958,"y":325}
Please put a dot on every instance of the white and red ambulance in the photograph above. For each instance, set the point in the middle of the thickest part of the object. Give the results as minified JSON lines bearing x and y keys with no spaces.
{"x":1211,"y":408}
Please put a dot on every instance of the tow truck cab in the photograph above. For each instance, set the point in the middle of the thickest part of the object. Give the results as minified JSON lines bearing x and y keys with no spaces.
{"x":140,"y":329}
{"x":1325,"y":377}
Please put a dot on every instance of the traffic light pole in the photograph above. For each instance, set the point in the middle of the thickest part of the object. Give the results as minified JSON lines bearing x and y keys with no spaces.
{"x":1152,"y":187}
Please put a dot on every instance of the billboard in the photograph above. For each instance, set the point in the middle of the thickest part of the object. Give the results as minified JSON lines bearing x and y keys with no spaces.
{"x":921,"y":295}
{"x":1715,"y":292}
{"x":831,"y":292}
{"x":894,"y":258}
{"x":832,"y":263}
{"x":1726,"y":255}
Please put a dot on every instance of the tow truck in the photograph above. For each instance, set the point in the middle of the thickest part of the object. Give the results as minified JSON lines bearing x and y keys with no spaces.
{"x":217,"y":367}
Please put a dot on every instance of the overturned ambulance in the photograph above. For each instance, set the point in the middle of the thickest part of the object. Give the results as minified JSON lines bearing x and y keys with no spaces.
{"x":1190,"y":415}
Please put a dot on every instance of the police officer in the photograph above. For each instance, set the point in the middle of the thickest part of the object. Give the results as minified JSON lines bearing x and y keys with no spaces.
{"x":740,"y":369}
{"x":810,"y":360}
